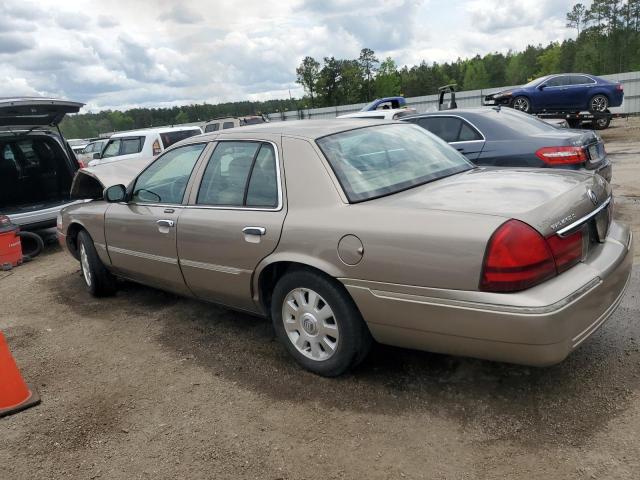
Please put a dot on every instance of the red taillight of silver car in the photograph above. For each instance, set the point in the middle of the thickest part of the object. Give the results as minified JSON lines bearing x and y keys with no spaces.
{"x":562,"y":155}
{"x":519,"y":257}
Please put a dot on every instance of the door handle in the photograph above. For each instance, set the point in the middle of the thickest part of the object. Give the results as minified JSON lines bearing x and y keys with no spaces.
{"x":165,"y":223}
{"x":254,"y":230}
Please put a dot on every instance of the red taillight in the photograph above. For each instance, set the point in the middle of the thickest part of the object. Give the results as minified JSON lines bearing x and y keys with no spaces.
{"x":566,"y":251}
{"x":518,"y":257}
{"x":156,"y":148}
{"x":562,"y":155}
{"x":81,"y":163}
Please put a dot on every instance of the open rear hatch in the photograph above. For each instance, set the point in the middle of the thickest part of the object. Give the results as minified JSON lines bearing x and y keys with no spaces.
{"x":36,"y":165}
{"x":29,"y":112}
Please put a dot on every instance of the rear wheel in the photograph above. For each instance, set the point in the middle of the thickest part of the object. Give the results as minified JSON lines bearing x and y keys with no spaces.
{"x":99,"y":281}
{"x":602,"y":123}
{"x":318,"y":323}
{"x":598,"y":103}
{"x":522,"y":104}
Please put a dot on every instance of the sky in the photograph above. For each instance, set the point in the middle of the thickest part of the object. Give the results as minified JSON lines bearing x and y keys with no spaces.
{"x":154,"y":53}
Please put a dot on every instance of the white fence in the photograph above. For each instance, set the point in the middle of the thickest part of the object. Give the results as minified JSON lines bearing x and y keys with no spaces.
{"x":466,"y":99}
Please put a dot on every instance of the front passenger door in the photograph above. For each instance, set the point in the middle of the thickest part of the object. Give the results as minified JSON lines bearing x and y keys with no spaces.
{"x":141,"y":233}
{"x":233,"y":222}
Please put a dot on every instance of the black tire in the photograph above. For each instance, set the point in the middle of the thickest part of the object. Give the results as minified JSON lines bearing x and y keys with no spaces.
{"x":521,"y":103}
{"x":602,"y":123}
{"x":99,"y":281}
{"x":573,"y":122}
{"x":354,"y":338}
{"x":598,"y":103}
{"x":32,"y":244}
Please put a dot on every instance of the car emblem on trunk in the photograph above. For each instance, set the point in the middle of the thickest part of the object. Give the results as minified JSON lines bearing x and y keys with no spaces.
{"x":592,"y":196}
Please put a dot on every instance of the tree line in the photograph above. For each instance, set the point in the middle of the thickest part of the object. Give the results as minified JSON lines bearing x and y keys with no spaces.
{"x":607,"y":41}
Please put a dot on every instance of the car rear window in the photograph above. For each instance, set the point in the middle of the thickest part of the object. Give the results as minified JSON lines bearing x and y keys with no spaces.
{"x":375,"y":161}
{"x":169,"y":138}
{"x":523,"y":123}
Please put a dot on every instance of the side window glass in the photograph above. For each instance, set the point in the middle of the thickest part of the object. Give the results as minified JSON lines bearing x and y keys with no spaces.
{"x":212,"y":127}
{"x":227,"y":125}
{"x":263,"y":185}
{"x":447,"y":128}
{"x":225,"y":178}
{"x":131,"y":145}
{"x":468,"y":133}
{"x":580,"y":80}
{"x":165,"y":181}
{"x":113,"y":148}
{"x":556,"y":82}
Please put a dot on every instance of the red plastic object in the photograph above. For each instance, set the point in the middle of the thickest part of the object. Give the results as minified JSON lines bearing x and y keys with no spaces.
{"x":15,"y":394}
{"x":10,"y":246}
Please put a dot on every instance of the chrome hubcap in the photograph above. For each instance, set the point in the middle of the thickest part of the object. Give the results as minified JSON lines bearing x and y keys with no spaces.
{"x":521,"y":104}
{"x":84,"y":263}
{"x":310,"y":324}
{"x":599,"y":104}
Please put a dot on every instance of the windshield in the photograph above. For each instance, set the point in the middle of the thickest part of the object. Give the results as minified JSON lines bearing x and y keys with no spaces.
{"x":380,"y":160}
{"x":535,"y":81}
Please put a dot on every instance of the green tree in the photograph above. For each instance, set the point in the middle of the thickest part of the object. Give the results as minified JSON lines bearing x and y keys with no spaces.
{"x":549,"y":60}
{"x":182,"y":117}
{"x":476,"y":76}
{"x":369,"y":65}
{"x":307,"y":75}
{"x":577,"y":16}
{"x":387,"y":81}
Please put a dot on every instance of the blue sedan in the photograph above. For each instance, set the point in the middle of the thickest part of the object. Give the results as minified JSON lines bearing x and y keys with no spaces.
{"x":572,"y":92}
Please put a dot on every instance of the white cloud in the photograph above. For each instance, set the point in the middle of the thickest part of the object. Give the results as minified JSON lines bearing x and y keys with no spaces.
{"x":121,"y":54}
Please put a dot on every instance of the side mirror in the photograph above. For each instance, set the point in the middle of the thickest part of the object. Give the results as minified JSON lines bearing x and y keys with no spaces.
{"x":115,"y":193}
{"x":96,"y":156}
{"x":542,"y":87}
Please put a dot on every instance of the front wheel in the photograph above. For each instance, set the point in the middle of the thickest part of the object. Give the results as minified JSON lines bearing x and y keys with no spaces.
{"x":599,"y":103}
{"x":522,"y":104}
{"x":99,"y":281}
{"x":318,"y":323}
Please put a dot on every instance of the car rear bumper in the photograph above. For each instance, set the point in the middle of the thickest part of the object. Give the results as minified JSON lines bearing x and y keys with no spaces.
{"x":36,"y":219}
{"x":539,"y":326}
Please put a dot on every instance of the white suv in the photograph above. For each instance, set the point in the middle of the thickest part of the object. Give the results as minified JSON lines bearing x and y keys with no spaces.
{"x":147,"y":143}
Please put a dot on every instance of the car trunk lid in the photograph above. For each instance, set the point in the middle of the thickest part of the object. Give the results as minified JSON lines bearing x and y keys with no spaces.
{"x":548,"y":200}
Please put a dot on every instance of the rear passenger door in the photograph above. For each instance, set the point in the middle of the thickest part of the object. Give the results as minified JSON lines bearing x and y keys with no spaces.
{"x":578,"y":91}
{"x":458,"y":132}
{"x":233,"y":220}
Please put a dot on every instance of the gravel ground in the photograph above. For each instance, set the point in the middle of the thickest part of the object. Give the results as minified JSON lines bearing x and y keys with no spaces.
{"x":150,"y":385}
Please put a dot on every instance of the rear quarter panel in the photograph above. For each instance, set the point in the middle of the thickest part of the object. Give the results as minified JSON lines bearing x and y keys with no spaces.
{"x":409,"y":246}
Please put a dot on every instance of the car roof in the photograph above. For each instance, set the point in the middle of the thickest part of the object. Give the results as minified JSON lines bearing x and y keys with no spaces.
{"x":152,"y":131}
{"x":310,"y":129}
{"x":466,"y":111}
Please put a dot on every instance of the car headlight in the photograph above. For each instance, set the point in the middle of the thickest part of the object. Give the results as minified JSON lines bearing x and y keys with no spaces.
{"x":503,"y":94}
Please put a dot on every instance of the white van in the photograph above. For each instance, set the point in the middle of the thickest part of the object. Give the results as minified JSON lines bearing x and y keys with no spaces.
{"x":147,"y":143}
